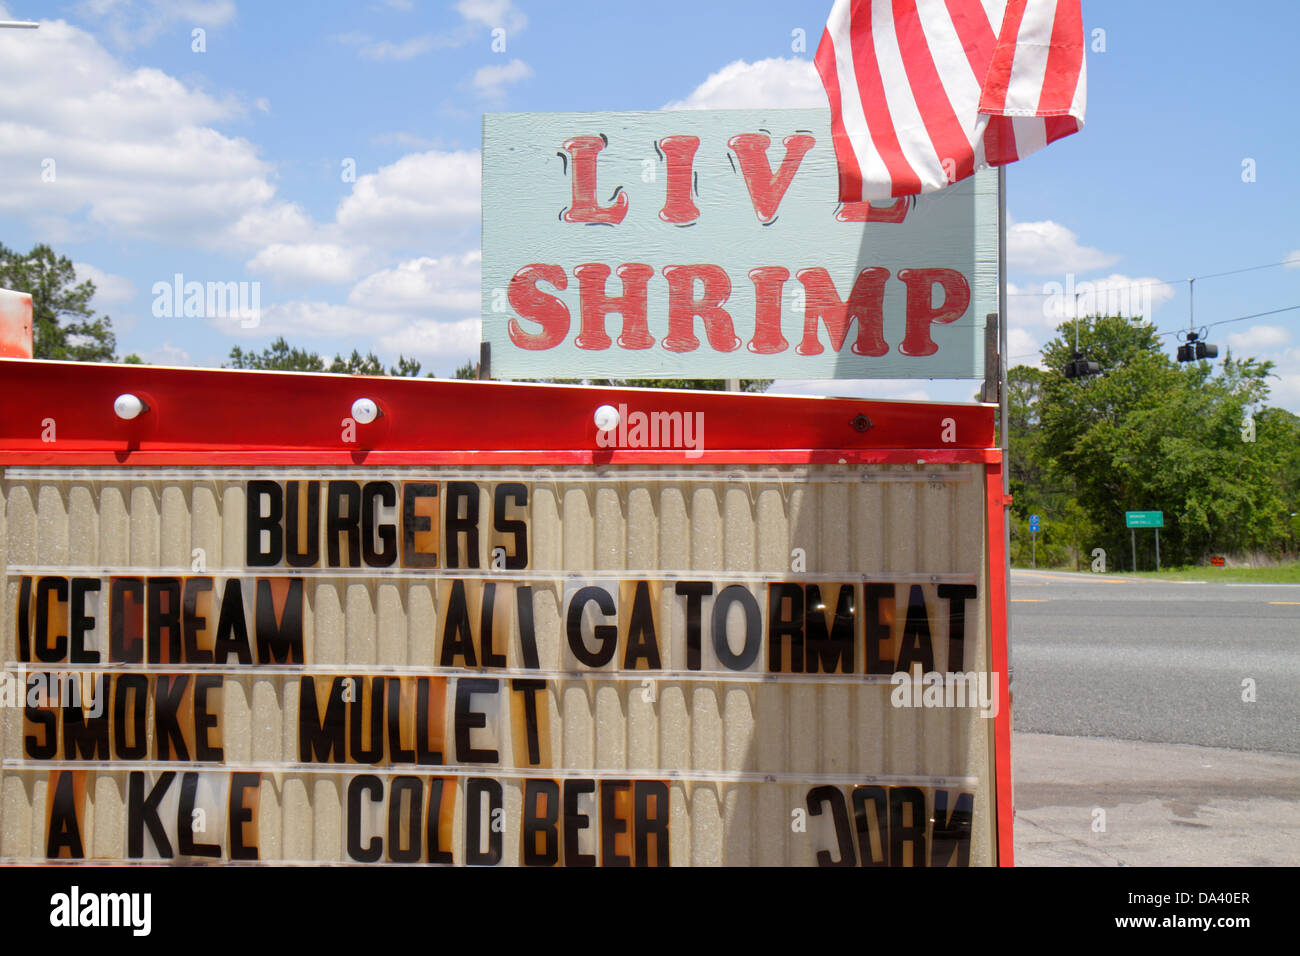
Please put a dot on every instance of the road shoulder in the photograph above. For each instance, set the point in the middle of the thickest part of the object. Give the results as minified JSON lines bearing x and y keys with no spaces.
{"x":1089,"y":801}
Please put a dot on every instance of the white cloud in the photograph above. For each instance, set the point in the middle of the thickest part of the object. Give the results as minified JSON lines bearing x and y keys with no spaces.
{"x":490,"y":82}
{"x":764,"y":84}
{"x":1258,"y":337}
{"x":1046,"y":247}
{"x":1023,"y":348}
{"x":1284,"y":388}
{"x":309,"y":262}
{"x":1292,"y":260}
{"x":90,"y":145}
{"x":418,"y":309}
{"x":301,"y":318}
{"x":1037,"y":310}
{"x":109,"y":289}
{"x":404,"y":139}
{"x":413,"y":197}
{"x":475,"y":15}
{"x":424,"y":285}
{"x":493,"y":14}
{"x":93,"y":147}
{"x":167,"y":354}
{"x":1120,"y":295}
{"x":132,"y":23}
{"x":385,"y":51}
{"x":277,"y":222}
{"x":420,"y":201}
{"x":263,"y":104}
{"x":430,"y":340}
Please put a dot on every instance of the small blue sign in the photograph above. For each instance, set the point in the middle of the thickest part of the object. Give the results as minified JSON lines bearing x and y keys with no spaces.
{"x":1033,"y":523}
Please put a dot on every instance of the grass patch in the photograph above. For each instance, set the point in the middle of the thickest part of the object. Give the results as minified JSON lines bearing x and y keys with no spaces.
{"x":1288,"y":573}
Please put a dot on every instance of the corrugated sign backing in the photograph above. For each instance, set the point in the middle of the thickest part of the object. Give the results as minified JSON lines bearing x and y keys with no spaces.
{"x":738,"y":752}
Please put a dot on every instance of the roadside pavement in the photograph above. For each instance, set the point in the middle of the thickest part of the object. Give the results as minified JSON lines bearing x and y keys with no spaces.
{"x":1089,"y":801}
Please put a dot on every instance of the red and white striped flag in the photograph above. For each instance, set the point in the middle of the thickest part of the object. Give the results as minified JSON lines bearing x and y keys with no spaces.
{"x":925,"y":92}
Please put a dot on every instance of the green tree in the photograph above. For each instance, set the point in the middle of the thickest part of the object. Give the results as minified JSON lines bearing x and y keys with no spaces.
{"x":1028,"y":463}
{"x":1277,"y":432}
{"x":1151,"y":434}
{"x":64,"y":326}
{"x":699,"y":384}
{"x":280,"y":356}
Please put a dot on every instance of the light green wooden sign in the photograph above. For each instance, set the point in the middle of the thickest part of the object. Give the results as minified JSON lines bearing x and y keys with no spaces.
{"x":711,"y":244}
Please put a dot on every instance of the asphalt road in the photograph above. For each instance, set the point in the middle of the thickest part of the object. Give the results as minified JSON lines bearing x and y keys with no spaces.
{"x":1098,"y":655}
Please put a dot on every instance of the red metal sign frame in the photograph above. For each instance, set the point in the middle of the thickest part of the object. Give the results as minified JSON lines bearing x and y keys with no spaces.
{"x":61,"y":414}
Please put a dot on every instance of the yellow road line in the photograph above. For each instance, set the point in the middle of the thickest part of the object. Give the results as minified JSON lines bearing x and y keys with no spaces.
{"x":1057,"y":577}
{"x":1028,"y":600}
{"x":1284,"y":602}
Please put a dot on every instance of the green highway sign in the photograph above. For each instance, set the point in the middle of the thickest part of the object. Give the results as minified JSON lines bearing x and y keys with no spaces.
{"x":1144,"y":519}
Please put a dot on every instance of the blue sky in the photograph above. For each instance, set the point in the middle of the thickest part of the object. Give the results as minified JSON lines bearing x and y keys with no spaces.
{"x":228,"y":164}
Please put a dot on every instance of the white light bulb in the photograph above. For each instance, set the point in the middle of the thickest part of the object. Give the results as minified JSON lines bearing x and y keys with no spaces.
{"x":128,"y":406}
{"x":606,"y":418}
{"x":364,"y":411}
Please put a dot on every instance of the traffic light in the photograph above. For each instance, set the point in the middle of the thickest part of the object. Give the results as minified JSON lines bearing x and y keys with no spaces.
{"x":1193,"y":349}
{"x":1078,"y":367}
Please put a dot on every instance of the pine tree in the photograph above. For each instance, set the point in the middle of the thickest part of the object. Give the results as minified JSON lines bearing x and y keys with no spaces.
{"x":64,"y":326}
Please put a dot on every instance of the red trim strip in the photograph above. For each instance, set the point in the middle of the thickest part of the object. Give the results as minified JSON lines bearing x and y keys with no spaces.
{"x":232,"y":459}
{"x":62,"y":412}
{"x":998,"y":622}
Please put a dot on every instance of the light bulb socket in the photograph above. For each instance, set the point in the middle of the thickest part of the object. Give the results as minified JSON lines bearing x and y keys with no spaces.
{"x":128,"y":406}
{"x":365,"y":411}
{"x":606,"y":418}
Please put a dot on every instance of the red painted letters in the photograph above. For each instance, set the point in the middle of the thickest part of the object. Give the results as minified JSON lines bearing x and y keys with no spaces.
{"x":595,"y":305}
{"x":896,"y":211}
{"x":921,"y":312}
{"x":583,"y":150}
{"x":531,"y":303}
{"x":679,"y":153}
{"x":865,"y":304}
{"x":769,"y":281}
{"x":683,"y":307}
{"x":766,"y":190}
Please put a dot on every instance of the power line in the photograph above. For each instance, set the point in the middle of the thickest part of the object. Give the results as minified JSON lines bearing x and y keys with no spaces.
{"x":1208,"y":325}
{"x":1212,"y":275}
{"x":1256,"y":315}
{"x":1233,"y":272}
